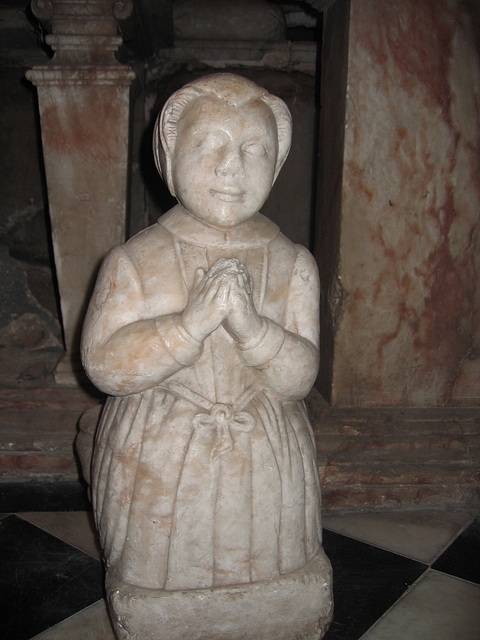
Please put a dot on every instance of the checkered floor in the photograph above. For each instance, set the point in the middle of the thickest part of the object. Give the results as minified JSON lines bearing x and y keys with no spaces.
{"x":412,"y":575}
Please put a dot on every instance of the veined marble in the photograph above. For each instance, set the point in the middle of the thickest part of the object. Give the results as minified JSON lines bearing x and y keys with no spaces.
{"x":409,"y":248}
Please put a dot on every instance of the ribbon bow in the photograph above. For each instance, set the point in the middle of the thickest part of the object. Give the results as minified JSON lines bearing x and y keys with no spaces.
{"x":223,"y":418}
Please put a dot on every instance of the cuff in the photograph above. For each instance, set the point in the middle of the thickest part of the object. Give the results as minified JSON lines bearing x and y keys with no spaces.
{"x":264,"y":346}
{"x":183,"y":347}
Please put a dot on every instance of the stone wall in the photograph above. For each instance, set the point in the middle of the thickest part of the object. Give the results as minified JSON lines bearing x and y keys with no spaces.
{"x":23,"y":224}
{"x":405,"y":285}
{"x":30,"y":334}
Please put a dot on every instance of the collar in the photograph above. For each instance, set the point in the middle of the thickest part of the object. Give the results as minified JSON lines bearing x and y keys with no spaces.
{"x":251,"y":234}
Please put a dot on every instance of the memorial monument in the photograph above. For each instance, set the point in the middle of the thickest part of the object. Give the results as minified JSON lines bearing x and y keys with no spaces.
{"x":203,"y":330}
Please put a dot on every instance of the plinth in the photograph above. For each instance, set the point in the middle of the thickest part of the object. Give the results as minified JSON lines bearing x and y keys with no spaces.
{"x":294,"y":606}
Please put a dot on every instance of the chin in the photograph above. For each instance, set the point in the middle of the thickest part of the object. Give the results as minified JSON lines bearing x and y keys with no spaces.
{"x":227,"y":219}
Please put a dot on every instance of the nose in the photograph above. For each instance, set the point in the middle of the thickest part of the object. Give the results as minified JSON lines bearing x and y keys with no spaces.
{"x":230,"y":164}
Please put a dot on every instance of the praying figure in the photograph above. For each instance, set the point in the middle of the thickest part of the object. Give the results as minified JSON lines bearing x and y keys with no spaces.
{"x":203,"y":330}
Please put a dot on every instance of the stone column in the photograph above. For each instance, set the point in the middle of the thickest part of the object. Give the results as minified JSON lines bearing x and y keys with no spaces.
{"x":399,"y":202}
{"x":83,"y":95}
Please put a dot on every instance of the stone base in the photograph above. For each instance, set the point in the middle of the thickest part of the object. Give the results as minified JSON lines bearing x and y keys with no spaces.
{"x":295,"y":606}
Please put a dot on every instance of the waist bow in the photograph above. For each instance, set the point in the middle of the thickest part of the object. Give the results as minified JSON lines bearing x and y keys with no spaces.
{"x":222,"y":417}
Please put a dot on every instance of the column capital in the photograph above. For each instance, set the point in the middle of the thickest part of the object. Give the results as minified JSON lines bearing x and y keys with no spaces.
{"x":83,"y":32}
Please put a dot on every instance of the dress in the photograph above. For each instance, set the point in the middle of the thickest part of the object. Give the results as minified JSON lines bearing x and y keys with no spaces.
{"x":204,"y":470}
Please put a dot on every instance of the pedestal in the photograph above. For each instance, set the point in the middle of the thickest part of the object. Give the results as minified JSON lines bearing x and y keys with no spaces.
{"x":83,"y":96}
{"x":295,"y":606}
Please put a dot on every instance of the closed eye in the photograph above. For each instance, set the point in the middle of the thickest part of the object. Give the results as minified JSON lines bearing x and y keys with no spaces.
{"x":254,"y":149}
{"x":209,"y":141}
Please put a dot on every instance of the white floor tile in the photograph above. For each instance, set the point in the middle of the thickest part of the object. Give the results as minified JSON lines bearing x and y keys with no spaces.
{"x":439,"y":607}
{"x":92,"y":623}
{"x":420,"y":535}
{"x":75,"y":527}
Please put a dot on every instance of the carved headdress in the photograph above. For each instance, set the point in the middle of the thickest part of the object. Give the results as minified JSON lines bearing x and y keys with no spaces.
{"x":233,"y":89}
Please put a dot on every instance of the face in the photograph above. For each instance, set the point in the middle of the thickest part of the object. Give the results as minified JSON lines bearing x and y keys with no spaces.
{"x":223,"y":164}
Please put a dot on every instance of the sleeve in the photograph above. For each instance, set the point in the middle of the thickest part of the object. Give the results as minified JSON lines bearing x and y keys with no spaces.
{"x":123,"y":350}
{"x":286,"y":358}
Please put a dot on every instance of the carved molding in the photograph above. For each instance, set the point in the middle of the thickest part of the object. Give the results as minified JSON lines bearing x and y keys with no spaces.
{"x":105,"y":76}
{"x":82,"y":33}
{"x":122,"y":9}
{"x":42,"y":9}
{"x":320,"y":5}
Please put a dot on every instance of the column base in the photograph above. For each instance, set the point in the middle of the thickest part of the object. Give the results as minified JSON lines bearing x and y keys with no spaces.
{"x":295,"y":606}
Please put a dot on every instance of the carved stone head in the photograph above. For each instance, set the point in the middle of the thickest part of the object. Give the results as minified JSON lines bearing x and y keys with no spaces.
{"x":220,"y":143}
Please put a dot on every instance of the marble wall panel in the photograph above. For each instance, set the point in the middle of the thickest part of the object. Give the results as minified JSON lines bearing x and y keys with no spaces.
{"x":409,"y":240}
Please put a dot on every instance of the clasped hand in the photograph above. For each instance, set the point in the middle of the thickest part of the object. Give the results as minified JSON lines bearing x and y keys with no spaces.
{"x":222,"y":295}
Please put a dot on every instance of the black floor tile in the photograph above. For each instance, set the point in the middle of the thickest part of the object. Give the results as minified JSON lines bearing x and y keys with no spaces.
{"x":462,"y":558}
{"x":366,"y":582}
{"x":16,"y":497}
{"x":43,"y":580}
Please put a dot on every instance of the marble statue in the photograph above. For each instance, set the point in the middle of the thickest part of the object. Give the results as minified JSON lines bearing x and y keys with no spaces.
{"x":203,"y":330}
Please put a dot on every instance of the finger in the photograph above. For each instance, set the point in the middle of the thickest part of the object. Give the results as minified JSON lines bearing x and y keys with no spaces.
{"x":224,"y":265}
{"x":226,"y":294}
{"x":224,"y":274}
{"x":248,"y":282}
{"x":219,"y":266}
{"x":198,"y":291}
{"x":212,"y":288}
{"x":199,"y":274}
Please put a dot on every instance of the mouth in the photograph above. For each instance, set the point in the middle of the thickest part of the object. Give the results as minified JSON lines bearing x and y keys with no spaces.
{"x":228,"y":195}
